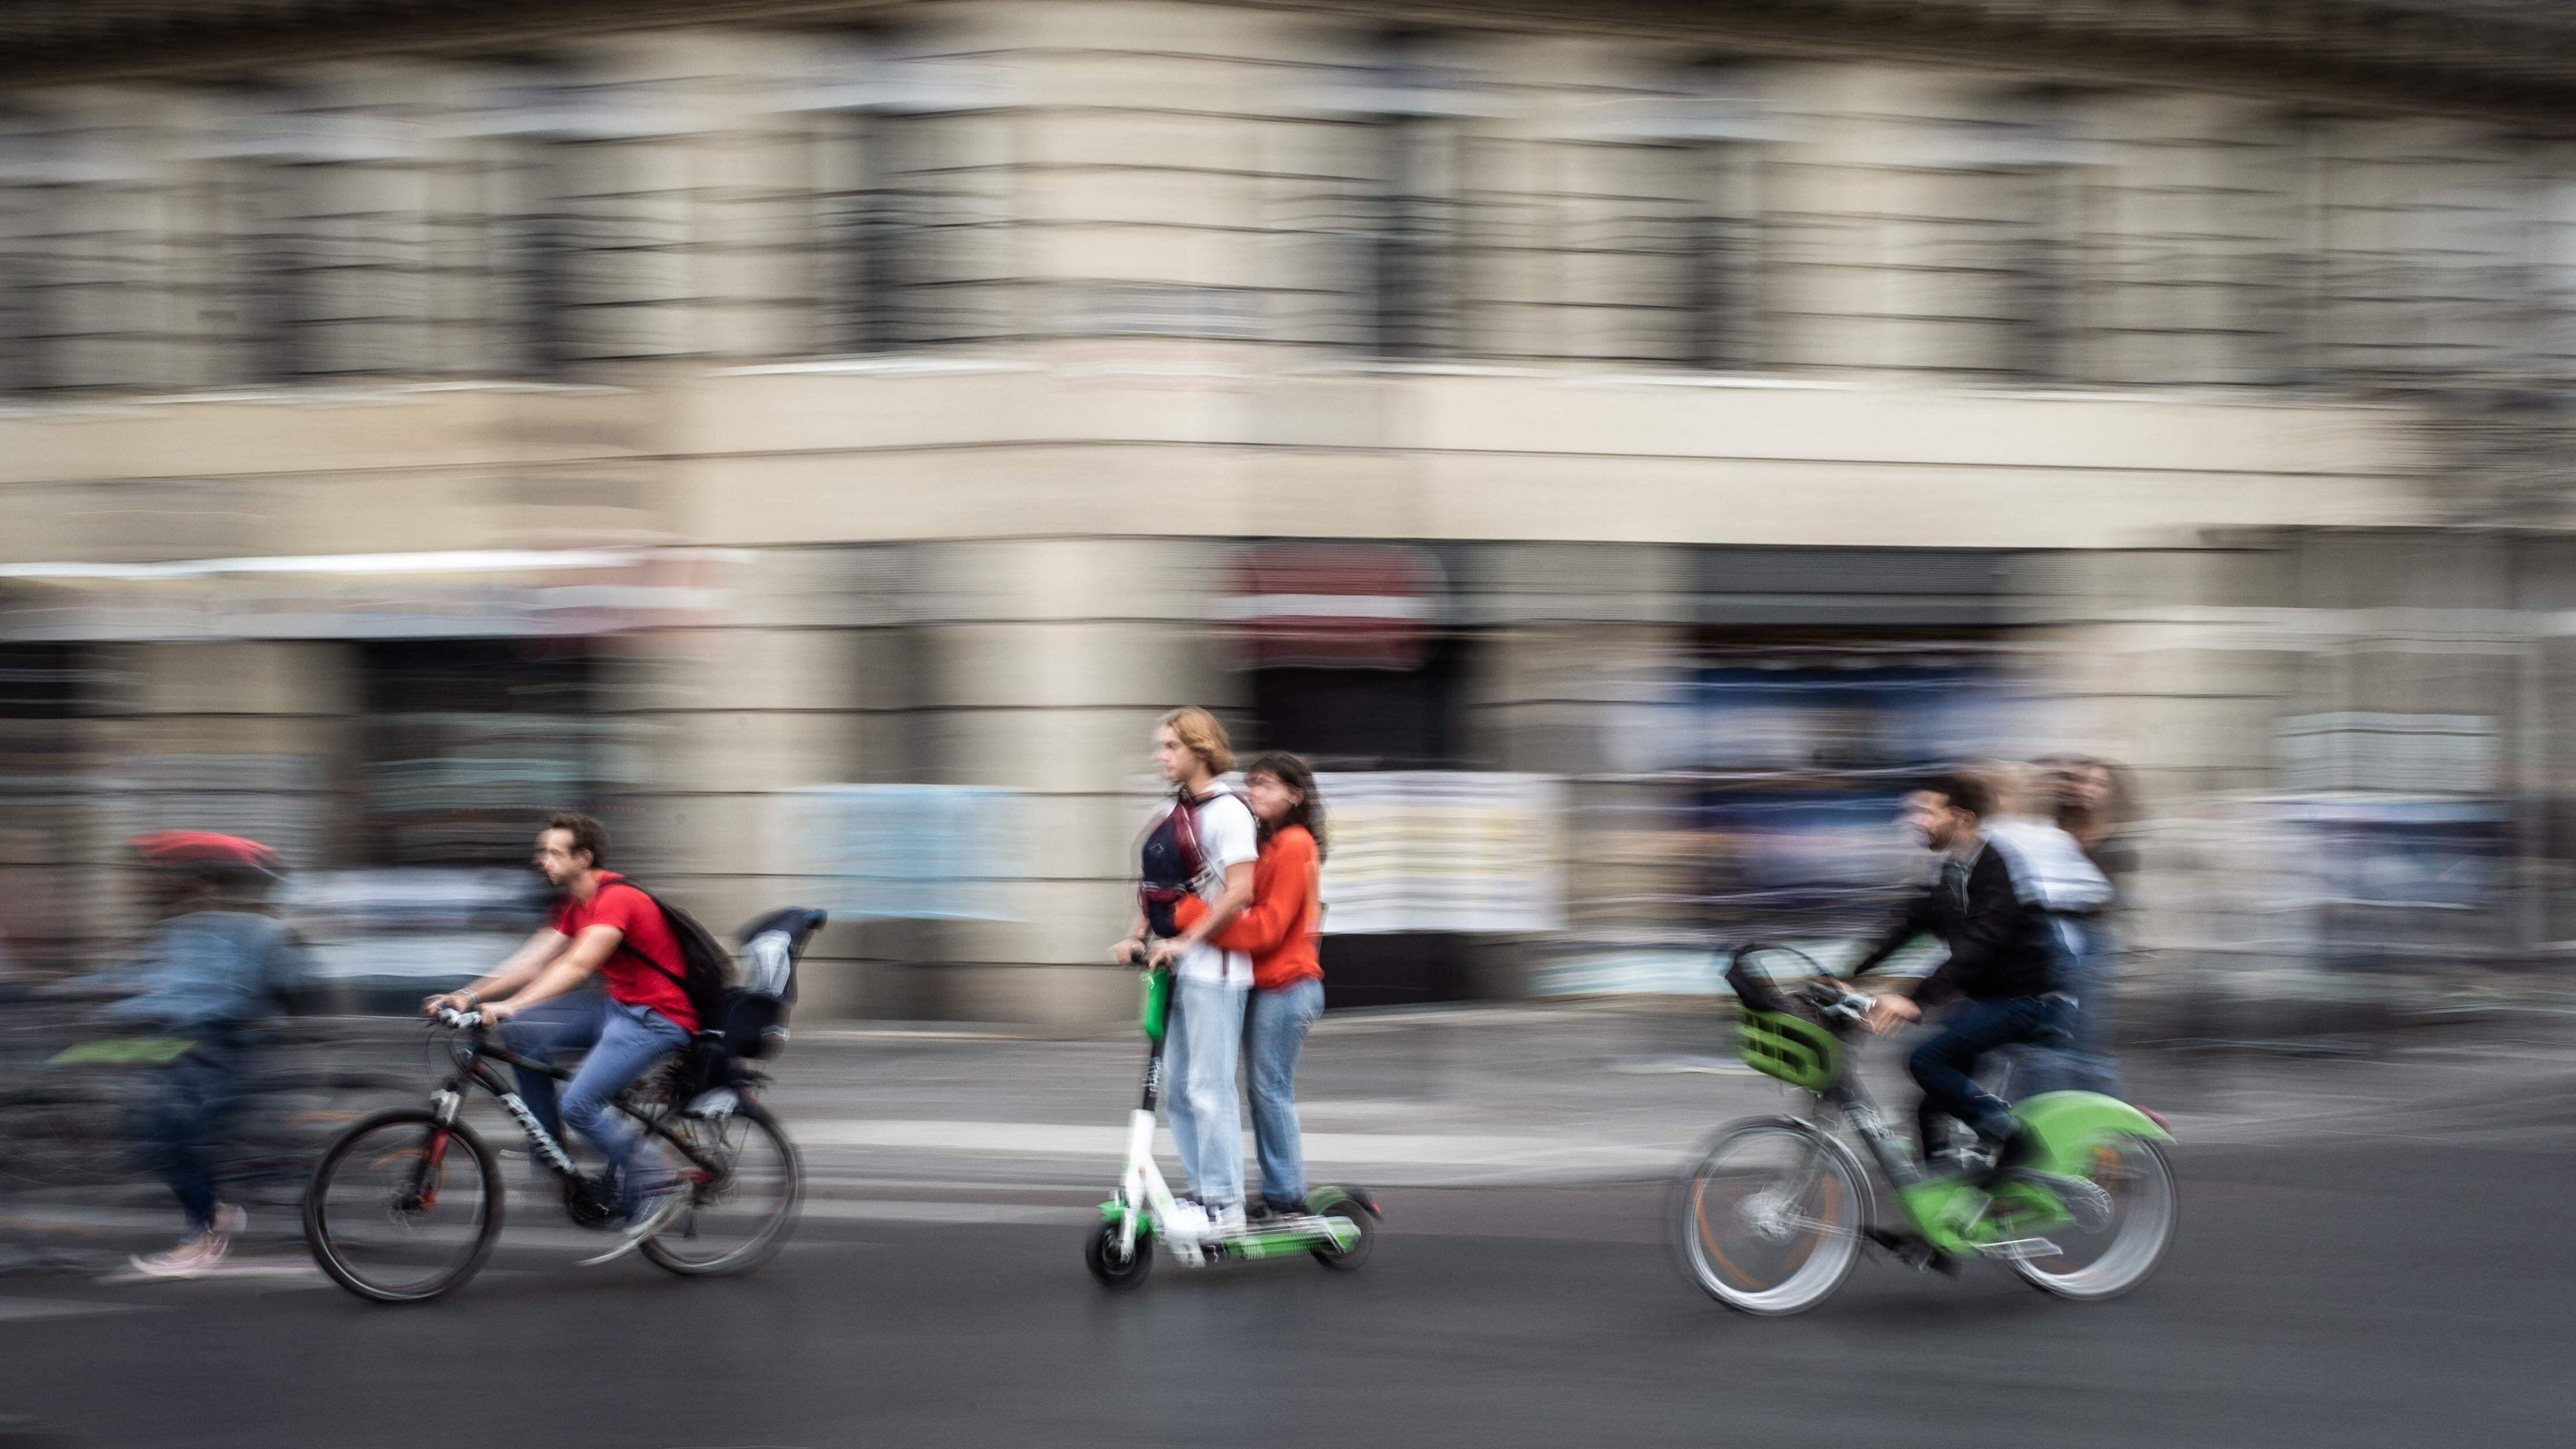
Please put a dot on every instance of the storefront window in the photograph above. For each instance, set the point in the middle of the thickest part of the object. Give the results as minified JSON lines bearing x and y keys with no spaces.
{"x":470,"y":744}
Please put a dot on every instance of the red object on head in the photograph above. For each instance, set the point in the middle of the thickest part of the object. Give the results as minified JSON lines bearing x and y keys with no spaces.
{"x":204,"y":847}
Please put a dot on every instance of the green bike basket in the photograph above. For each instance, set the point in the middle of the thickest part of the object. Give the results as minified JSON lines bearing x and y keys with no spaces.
{"x":1795,"y":1050}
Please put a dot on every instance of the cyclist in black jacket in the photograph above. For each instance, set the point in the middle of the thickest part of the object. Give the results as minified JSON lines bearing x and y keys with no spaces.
{"x":2006,"y":962}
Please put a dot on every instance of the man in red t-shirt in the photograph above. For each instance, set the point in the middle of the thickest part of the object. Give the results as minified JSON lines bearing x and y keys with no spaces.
{"x":606,"y":927}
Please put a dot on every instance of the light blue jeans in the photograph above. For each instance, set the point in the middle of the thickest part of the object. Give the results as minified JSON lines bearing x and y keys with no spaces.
{"x":624,"y":1041}
{"x":1274,"y":1032}
{"x":1207,"y":1123}
{"x":2083,"y":1063}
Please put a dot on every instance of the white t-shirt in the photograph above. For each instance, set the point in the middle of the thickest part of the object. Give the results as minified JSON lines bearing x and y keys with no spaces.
{"x":1227,"y":836}
{"x":2049,"y":869}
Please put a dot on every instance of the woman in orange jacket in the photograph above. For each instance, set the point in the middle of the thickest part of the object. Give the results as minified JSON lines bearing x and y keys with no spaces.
{"x":1279,"y":929}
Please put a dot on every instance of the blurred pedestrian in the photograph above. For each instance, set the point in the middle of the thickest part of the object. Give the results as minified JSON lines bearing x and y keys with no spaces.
{"x":1203,"y":843}
{"x":1280,"y":929}
{"x":2089,"y":799}
{"x":216,"y":967}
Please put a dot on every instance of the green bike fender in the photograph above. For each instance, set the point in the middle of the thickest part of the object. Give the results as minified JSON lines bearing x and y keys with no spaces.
{"x":2069,"y":1124}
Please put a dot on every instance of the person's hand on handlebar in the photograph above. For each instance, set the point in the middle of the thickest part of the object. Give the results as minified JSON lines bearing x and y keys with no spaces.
{"x":1129,"y":952}
{"x":450,"y":1001}
{"x":1888,"y":1011}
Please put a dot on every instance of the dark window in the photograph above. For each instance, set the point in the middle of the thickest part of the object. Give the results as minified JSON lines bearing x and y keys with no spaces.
{"x":470,"y":744}
{"x":41,"y":681}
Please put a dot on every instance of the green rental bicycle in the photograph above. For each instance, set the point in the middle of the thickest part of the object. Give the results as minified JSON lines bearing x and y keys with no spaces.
{"x":1774,"y":1213}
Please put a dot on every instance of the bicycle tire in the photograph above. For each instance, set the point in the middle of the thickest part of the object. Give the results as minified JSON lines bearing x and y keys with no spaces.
{"x":319,"y":1214}
{"x":2138,"y":1245}
{"x":773,"y":1231}
{"x":1818,"y":1259}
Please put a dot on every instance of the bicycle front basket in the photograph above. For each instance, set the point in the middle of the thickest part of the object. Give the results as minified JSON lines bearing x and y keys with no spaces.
{"x":1795,"y":1050}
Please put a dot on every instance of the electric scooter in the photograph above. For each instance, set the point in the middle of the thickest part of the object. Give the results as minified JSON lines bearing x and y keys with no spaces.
{"x":1338,"y":1226}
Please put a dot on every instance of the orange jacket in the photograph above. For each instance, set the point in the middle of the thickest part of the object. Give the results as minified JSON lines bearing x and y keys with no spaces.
{"x":1280,"y":926}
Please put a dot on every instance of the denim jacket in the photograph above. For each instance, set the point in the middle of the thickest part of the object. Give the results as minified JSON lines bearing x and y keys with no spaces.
{"x":209,"y":970}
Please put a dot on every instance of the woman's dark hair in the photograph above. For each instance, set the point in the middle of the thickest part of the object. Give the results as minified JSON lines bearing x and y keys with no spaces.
{"x":1299,"y":776}
{"x":2119,"y":798}
{"x":1963,"y":790}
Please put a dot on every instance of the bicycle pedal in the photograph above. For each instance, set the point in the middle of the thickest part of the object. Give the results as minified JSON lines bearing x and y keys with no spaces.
{"x":1913,"y":1252}
{"x":2018,"y":1250}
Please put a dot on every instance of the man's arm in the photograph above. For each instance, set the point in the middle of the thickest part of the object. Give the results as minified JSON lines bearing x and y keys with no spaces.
{"x":522,"y":965}
{"x":594,"y":945}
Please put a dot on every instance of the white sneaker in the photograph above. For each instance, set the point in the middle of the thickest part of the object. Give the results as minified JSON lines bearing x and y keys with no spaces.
{"x":656,"y":1215}
{"x":230,"y":1221}
{"x":1227,"y":1219}
{"x":194,"y":1257}
{"x":1186,"y":1220}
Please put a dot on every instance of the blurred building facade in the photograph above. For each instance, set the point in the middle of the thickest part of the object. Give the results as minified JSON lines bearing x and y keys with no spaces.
{"x":418,"y":416}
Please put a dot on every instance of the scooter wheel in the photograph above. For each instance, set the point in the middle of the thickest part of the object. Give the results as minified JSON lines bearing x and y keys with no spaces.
{"x":1362,"y":1221}
{"x":1100,"y":1255}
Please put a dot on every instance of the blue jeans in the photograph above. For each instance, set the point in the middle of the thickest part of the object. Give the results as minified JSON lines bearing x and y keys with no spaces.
{"x":1945,"y":1067}
{"x":2084,"y":1064}
{"x":179,"y":1119}
{"x":1207,"y":1125}
{"x":1274,"y":1032}
{"x":624,"y":1042}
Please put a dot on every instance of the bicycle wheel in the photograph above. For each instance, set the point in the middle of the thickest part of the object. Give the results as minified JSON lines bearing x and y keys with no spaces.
{"x":1768,"y":1221}
{"x":287,"y":1121}
{"x":2108,"y":1256}
{"x":403,"y":1210}
{"x":738,"y":1218}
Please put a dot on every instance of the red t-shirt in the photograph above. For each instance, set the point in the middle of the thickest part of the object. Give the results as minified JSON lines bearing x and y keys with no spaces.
{"x":631,"y":972}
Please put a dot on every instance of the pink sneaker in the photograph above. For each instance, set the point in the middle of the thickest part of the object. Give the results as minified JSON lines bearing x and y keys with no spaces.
{"x":191,"y":1258}
{"x":199,"y":1254}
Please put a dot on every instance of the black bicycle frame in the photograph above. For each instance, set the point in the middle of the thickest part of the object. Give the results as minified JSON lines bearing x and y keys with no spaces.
{"x":474,"y":1068}
{"x":1853,"y":1103}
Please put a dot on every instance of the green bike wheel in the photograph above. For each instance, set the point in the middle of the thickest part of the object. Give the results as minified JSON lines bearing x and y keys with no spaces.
{"x":1768,"y":1220}
{"x":2113,"y":1246}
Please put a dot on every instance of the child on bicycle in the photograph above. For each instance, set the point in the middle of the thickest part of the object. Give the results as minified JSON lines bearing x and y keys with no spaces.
{"x":215,"y":968}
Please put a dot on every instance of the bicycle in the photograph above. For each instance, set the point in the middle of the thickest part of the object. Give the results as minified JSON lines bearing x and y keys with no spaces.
{"x":1772,"y":1216}
{"x":67,"y":1113}
{"x":407,"y":1205}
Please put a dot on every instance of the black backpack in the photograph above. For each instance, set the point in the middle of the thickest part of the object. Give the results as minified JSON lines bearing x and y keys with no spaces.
{"x":707,"y":974}
{"x":1170,"y":863}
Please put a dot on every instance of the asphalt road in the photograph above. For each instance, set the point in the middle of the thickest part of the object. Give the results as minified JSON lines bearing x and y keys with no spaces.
{"x":2404,"y":1293}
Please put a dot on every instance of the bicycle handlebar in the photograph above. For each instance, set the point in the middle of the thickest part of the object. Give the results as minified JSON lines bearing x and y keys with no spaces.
{"x":461,"y":1020}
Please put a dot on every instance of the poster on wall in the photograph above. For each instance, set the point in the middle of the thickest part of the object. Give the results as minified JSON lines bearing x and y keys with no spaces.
{"x":1443,"y":850}
{"x":913,"y":852}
